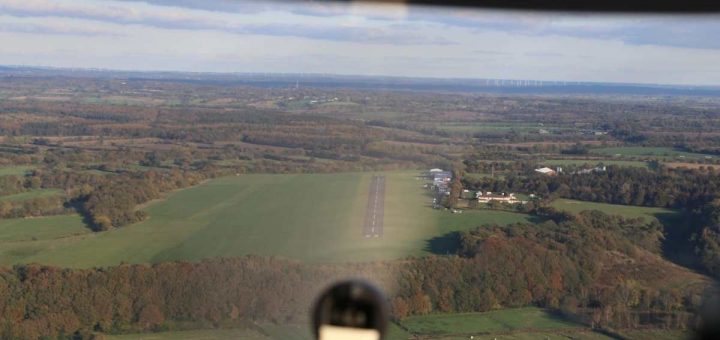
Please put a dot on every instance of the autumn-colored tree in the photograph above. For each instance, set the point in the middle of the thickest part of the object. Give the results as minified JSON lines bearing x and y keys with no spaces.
{"x":399,"y":308}
{"x":102,"y":223}
{"x":151,"y":317}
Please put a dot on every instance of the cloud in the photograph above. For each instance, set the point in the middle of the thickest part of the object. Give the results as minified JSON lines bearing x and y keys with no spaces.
{"x":42,"y":29}
{"x":543,"y":54}
{"x":253,"y":20}
{"x":692,"y":31}
{"x":351,"y":34}
{"x":372,"y":23}
{"x":488,"y":52}
{"x":55,"y":27}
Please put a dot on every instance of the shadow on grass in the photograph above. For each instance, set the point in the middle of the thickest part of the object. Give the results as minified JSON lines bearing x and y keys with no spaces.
{"x":677,"y":246}
{"x":535,"y":219}
{"x":447,"y":244}
{"x":77,"y":205}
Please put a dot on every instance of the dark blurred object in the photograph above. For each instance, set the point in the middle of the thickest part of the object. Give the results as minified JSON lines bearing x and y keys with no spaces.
{"x":710,"y":318}
{"x":356,"y":306}
{"x":635,"y":6}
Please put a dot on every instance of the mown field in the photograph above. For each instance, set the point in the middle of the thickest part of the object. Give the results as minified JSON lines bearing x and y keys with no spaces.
{"x":37,"y":193}
{"x":317,"y":218}
{"x":15,"y":170}
{"x":36,"y":229}
{"x":659,"y":152}
{"x":593,"y":162}
{"x":260,"y":331}
{"x":575,"y":206}
{"x":472,"y":127}
{"x":210,"y":334}
{"x":517,"y":323}
{"x":520,"y":323}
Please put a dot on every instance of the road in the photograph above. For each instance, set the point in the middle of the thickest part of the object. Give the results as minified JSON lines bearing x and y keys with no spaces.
{"x":375,"y":208}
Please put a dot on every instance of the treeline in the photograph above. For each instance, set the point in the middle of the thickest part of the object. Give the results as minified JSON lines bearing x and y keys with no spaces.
{"x":113,"y":203}
{"x":11,"y":184}
{"x":479,"y":164}
{"x":706,"y":237}
{"x":34,"y":207}
{"x":672,"y":188}
{"x":578,"y":264}
{"x":106,"y":200}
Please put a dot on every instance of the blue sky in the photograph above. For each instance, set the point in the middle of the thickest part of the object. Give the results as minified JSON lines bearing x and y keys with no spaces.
{"x":311,"y":37}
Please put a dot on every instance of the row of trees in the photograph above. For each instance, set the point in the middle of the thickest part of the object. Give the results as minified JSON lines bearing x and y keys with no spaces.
{"x":706,"y":237}
{"x":34,"y":207}
{"x":673,"y":188}
{"x":12,"y":184}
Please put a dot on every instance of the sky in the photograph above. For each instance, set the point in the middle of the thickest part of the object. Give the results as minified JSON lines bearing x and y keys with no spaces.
{"x":359,"y":39}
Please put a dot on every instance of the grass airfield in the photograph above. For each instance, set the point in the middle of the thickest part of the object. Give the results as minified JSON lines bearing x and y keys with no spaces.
{"x":309,"y":217}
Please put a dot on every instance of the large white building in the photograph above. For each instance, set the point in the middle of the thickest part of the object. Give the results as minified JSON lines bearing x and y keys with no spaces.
{"x":486,"y":197}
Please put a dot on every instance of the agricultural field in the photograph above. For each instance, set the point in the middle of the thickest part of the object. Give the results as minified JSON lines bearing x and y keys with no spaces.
{"x":686,"y":165}
{"x":484,"y":127}
{"x":656,"y":334}
{"x":209,"y":334}
{"x":259,"y":331}
{"x":593,"y":162}
{"x":316,"y":218}
{"x":37,"y":230}
{"x":15,"y":170}
{"x":37,"y":193}
{"x":520,"y":323}
{"x":629,"y":211}
{"x":640,"y":151}
{"x":510,"y":324}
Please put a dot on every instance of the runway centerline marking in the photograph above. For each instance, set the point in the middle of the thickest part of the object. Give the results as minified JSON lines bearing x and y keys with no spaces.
{"x":375,"y":208}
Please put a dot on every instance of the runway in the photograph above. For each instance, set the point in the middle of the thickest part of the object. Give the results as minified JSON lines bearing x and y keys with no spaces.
{"x":376,"y":208}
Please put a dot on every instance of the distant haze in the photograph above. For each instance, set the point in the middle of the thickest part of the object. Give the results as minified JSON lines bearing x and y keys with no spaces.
{"x":277,"y":37}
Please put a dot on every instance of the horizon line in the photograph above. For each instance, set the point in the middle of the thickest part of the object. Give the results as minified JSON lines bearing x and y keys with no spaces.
{"x":339,"y":75}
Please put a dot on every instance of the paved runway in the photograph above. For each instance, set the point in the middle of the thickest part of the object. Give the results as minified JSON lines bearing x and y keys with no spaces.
{"x":375,"y":208}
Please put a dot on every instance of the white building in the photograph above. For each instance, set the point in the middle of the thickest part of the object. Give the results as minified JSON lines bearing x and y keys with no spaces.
{"x":546,"y":171}
{"x":489,"y":196}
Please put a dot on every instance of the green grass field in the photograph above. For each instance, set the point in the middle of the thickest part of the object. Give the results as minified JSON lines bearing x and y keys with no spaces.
{"x":467,"y":127}
{"x":38,"y":229}
{"x":592,"y":162}
{"x":31,"y":194}
{"x":657,"y":334}
{"x":317,"y":218}
{"x":660,"y":152}
{"x":518,"y":323}
{"x":574,"y":206}
{"x":264,"y":331}
{"x":509,"y":324}
{"x":206,"y":334}
{"x":19,"y":170}
{"x":554,"y":335}
{"x":490,"y":322}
